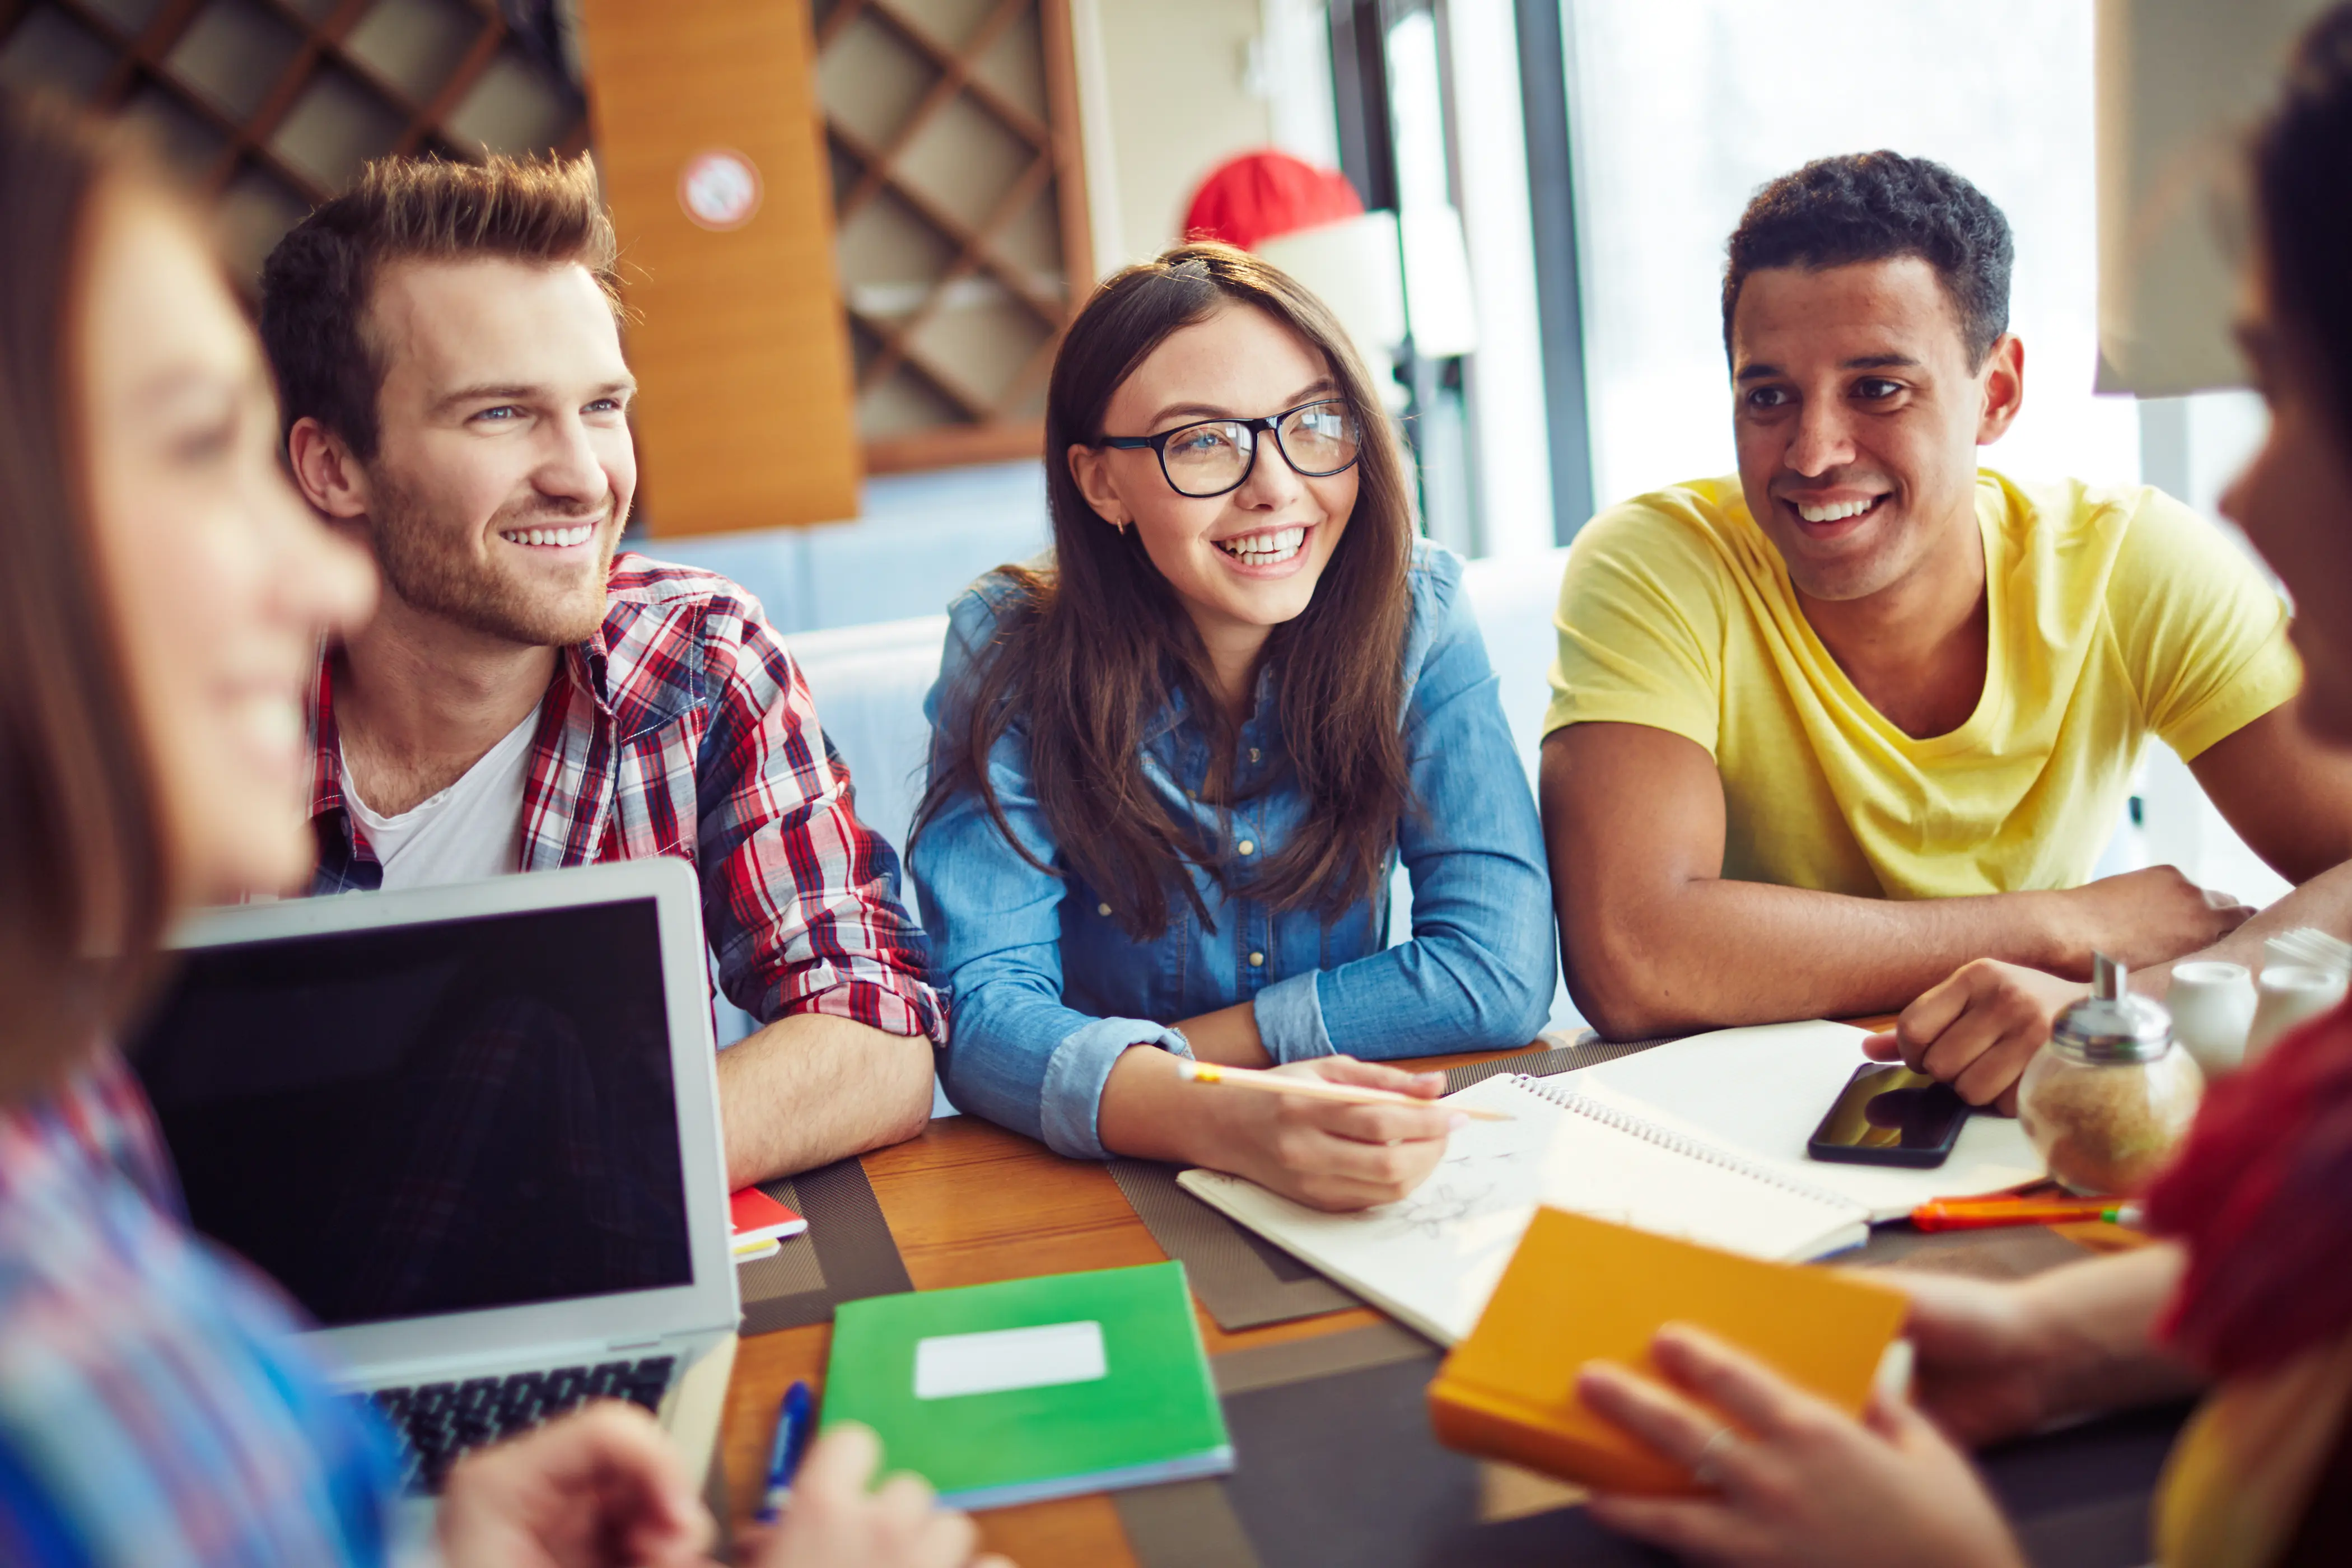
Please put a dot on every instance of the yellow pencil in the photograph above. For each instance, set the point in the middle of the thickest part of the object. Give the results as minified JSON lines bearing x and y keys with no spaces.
{"x":1318,"y":1089}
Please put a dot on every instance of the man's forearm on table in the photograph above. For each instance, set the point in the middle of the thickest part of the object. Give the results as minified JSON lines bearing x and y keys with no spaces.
{"x":811,"y":1089}
{"x":1718,"y":952}
{"x":2325,"y":901}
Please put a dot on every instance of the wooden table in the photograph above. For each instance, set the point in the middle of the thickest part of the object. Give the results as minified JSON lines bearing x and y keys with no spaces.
{"x":970,"y":1203}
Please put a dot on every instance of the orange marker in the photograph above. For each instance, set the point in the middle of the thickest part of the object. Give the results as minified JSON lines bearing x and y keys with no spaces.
{"x":1982,"y":1214}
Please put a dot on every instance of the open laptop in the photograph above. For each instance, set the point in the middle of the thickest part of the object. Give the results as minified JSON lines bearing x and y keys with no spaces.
{"x":474,"y":1131}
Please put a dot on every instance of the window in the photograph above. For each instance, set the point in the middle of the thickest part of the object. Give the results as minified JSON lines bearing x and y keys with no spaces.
{"x":1680,"y":109}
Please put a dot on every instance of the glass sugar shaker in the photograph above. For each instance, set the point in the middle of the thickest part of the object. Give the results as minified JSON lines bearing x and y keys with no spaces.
{"x":2110,"y":1096}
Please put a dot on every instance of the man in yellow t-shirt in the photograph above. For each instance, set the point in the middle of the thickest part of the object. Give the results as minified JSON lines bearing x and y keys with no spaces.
{"x":1825,"y":731}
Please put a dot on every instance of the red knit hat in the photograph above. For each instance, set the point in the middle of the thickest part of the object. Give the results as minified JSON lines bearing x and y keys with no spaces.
{"x":1259,"y":196}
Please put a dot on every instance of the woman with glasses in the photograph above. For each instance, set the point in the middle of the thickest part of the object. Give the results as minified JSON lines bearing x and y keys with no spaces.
{"x":1173,"y":772}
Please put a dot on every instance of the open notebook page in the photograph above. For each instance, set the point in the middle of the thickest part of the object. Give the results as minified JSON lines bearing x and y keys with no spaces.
{"x":1433,"y":1259}
{"x":1759,"y":1093}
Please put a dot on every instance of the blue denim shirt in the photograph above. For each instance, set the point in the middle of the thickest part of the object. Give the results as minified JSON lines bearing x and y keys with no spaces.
{"x":1048,"y":991}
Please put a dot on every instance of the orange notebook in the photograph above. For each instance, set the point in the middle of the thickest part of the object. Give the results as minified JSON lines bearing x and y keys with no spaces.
{"x":1582,"y":1290}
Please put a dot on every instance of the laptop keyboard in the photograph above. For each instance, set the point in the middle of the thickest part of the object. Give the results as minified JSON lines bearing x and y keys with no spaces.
{"x":438,"y":1422}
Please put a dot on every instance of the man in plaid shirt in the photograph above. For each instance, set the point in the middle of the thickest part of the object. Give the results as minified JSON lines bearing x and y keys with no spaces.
{"x":446,"y":345}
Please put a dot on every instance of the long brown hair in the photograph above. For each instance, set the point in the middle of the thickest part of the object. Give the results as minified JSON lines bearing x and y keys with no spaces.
{"x":82,"y":871}
{"x":1090,"y":653}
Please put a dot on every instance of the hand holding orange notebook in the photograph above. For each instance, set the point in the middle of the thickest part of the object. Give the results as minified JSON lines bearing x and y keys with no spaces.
{"x":1582,"y":1290}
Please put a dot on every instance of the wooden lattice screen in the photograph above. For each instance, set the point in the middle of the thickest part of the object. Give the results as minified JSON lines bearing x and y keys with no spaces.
{"x":951,"y":126}
{"x":961,"y":208}
{"x":274,"y":104}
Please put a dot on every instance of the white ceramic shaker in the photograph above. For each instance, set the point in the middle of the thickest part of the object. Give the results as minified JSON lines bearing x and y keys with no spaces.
{"x":2287,"y":995}
{"x":2212,"y":1007}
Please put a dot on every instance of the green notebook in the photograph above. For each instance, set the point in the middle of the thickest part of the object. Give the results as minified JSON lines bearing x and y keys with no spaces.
{"x":1034,"y":1388}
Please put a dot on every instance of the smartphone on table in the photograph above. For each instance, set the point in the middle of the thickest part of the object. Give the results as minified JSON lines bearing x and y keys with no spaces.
{"x":1889,"y":1115}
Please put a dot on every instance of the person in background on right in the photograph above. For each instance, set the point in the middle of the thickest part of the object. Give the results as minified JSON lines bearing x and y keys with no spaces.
{"x":2251,"y":1293}
{"x":1823,"y":732}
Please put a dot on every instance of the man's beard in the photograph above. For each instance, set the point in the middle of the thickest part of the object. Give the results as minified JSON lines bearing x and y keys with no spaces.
{"x":466,"y":592}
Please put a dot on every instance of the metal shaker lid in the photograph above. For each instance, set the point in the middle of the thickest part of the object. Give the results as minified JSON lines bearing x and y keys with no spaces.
{"x":2111,"y":1024}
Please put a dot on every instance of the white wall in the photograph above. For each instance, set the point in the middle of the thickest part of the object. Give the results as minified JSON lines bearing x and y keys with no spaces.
{"x":1682,"y":108}
{"x":1170,"y":89}
{"x":2193,"y":447}
{"x":1506,"y":373}
{"x":1165,"y":92}
{"x":2179,"y":80}
{"x":1290,"y":69}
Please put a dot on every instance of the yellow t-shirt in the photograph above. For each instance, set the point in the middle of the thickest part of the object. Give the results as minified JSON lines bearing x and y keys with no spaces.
{"x":2115,"y":615}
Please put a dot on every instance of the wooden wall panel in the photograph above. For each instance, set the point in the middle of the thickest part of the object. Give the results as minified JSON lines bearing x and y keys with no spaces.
{"x":960,"y":199}
{"x":271,"y":106}
{"x":744,"y":416}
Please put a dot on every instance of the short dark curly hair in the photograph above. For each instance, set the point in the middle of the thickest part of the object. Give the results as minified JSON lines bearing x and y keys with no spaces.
{"x":316,"y":284}
{"x":1877,"y":206}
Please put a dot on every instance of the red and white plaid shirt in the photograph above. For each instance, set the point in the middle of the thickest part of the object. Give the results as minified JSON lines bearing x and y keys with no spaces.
{"x":683,"y":728}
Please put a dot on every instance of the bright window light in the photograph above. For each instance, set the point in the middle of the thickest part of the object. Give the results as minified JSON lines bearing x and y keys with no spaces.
{"x":1682,"y":108}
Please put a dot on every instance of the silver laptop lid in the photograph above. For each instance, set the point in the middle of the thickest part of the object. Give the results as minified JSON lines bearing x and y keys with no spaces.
{"x":457,"y":1120}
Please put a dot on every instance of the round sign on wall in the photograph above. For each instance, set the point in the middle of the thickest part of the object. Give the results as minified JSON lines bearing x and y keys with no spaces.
{"x":719,"y":189}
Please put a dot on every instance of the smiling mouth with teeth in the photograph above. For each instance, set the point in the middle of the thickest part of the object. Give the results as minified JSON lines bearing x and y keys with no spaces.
{"x":1836,"y":511}
{"x":550,"y":538}
{"x":1269,"y":548}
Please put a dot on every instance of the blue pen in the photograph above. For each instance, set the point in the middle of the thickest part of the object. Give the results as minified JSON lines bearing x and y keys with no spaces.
{"x":784,"y":1458}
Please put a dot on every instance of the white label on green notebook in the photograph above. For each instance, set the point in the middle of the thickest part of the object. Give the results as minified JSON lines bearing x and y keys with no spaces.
{"x":951,"y":1365}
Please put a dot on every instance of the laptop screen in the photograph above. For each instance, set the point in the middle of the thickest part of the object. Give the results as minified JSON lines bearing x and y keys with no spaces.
{"x":433,"y":1118}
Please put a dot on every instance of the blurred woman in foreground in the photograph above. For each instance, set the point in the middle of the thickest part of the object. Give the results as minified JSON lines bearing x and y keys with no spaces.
{"x":160,"y":611}
{"x":2254,"y":1293}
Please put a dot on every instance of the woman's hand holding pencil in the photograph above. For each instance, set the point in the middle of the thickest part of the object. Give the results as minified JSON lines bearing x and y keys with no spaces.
{"x":1316,"y":1089}
{"x":1331,"y":1132}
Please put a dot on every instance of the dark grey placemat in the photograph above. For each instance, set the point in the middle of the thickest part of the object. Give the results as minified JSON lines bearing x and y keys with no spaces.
{"x":1186,"y":1524}
{"x":1244,"y":1282}
{"x":1588,"y":1051}
{"x":2006,"y":1252}
{"x":1338,"y":1466}
{"x":1192,"y":1524}
{"x":846,"y":1254}
{"x":1382,"y":1343}
{"x":1342,"y":1469}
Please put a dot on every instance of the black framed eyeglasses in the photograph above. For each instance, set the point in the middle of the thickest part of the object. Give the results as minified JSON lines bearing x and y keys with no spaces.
{"x":1216,"y":456}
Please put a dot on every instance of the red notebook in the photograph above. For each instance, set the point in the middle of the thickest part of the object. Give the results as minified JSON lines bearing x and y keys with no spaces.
{"x":760,"y":1219}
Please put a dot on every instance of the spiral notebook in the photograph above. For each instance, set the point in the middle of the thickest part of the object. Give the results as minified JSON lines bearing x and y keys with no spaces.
{"x":1584,"y":1143}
